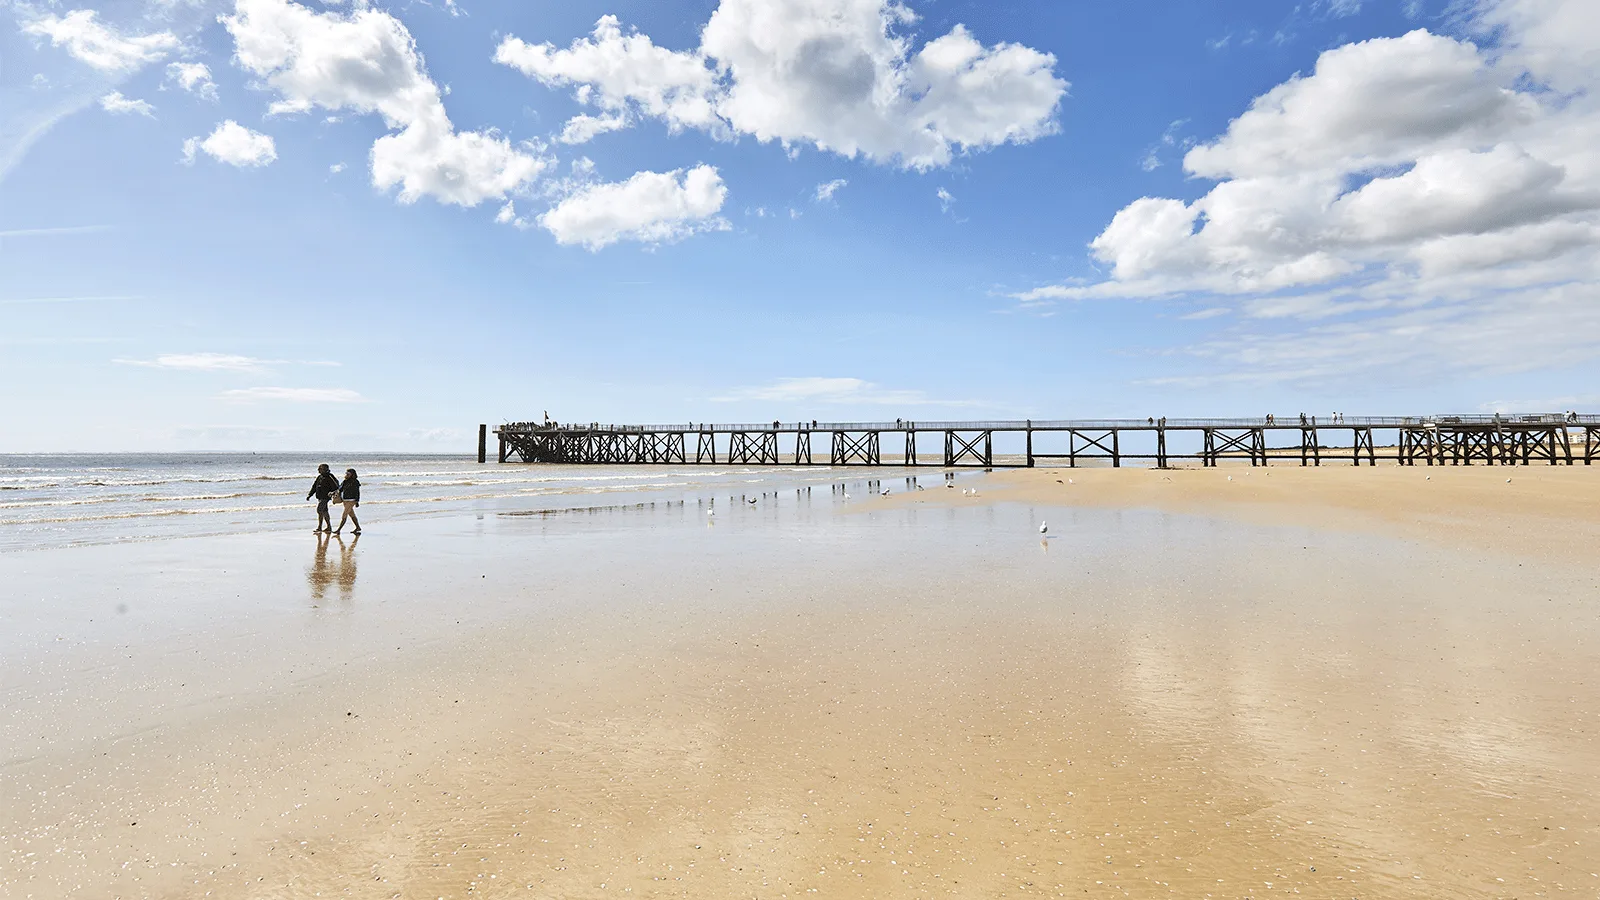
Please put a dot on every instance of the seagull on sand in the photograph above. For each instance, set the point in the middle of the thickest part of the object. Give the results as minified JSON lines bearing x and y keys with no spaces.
{"x":1044,"y":527}
{"x":885,"y":492}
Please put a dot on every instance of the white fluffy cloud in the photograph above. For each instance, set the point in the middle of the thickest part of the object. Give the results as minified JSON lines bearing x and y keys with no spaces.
{"x":366,"y":61}
{"x":650,"y":207}
{"x":193,"y":77}
{"x":621,"y":72}
{"x":1421,"y":185}
{"x":839,"y":75}
{"x":235,"y":145}
{"x":582,"y":129}
{"x":91,"y":41}
{"x":118,"y":105}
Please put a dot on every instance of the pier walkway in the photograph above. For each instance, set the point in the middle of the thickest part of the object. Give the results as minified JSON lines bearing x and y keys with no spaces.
{"x":1552,"y":438}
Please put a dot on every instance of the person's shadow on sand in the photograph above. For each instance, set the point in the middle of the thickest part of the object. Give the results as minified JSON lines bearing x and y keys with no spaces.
{"x":323,"y":574}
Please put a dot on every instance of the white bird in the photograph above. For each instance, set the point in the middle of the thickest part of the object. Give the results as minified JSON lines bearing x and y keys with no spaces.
{"x":752,"y":501}
{"x":1044,"y":527}
{"x":847,"y":495}
{"x":1508,"y":481}
{"x":1230,"y":477}
{"x":885,"y":492}
{"x":1428,"y":478}
{"x":1070,"y":481}
{"x":710,"y":513}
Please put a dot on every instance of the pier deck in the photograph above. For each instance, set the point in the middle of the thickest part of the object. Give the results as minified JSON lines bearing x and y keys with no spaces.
{"x":1551,"y":438}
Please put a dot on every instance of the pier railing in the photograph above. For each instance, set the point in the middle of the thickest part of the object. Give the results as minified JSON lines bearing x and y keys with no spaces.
{"x":1067,"y":424}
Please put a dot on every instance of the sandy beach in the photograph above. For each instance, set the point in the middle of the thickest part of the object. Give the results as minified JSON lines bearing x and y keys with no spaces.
{"x":1335,"y":683}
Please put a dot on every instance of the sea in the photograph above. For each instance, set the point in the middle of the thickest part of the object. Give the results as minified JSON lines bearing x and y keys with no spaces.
{"x":65,"y":500}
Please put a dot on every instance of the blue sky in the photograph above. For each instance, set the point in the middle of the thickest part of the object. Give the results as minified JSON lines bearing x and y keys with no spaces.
{"x":270,"y":225}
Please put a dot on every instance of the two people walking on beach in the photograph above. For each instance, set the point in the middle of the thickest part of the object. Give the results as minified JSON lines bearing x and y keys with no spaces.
{"x":328,"y":489}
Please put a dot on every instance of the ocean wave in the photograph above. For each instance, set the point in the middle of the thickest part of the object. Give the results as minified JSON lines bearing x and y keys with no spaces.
{"x":199,"y":497}
{"x":75,"y":501}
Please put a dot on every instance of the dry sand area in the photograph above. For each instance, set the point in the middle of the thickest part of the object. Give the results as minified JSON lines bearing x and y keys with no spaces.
{"x":1345,"y":683}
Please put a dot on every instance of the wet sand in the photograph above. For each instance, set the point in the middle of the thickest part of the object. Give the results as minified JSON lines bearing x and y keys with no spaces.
{"x":1312,"y":691}
{"x":1543,"y":511}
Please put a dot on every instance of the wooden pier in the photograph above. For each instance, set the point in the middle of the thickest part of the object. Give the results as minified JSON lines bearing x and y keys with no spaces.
{"x":1497,"y":440}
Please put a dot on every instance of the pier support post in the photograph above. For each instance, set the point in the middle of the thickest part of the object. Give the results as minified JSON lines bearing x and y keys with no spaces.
{"x":1030,"y":443}
{"x":1161,"y":446}
{"x":1362,"y":440}
{"x":483,"y":444}
{"x":1310,"y":449}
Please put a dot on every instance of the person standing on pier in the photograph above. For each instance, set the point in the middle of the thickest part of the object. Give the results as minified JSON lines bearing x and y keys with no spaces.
{"x":323,"y":489}
{"x":350,"y":495}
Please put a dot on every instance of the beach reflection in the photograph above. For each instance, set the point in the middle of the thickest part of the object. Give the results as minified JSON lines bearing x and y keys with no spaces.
{"x":323,"y":574}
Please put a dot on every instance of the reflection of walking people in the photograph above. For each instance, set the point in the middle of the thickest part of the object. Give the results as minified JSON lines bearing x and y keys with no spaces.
{"x":323,"y":488}
{"x":322,"y":574}
{"x":350,"y":493}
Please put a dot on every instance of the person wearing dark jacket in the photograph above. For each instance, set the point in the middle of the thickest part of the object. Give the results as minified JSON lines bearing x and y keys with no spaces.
{"x":350,"y":493}
{"x":323,"y":489}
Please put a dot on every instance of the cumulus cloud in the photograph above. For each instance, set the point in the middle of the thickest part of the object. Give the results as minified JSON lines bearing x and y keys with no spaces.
{"x":367,"y":62}
{"x":839,"y":75}
{"x":91,"y":41}
{"x":621,"y":72}
{"x":116,"y":104}
{"x":583,"y":128}
{"x":235,"y":145}
{"x":1420,"y":185}
{"x":193,"y":77}
{"x":650,"y":207}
